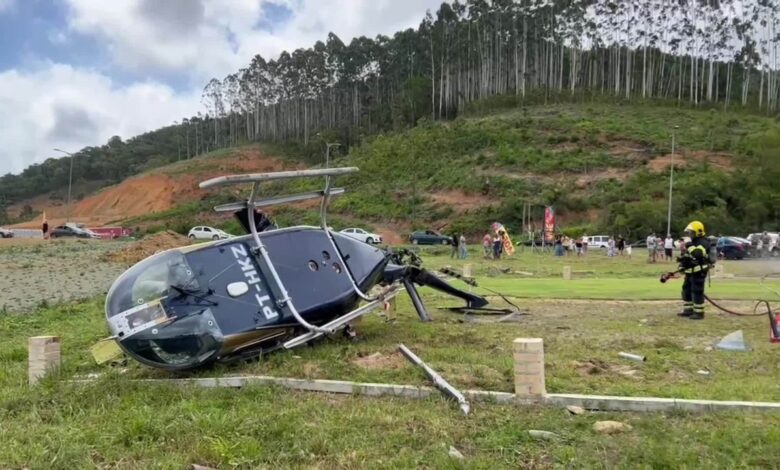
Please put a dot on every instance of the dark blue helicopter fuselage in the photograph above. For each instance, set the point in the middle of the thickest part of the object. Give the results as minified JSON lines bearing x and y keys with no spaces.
{"x":187,"y":307}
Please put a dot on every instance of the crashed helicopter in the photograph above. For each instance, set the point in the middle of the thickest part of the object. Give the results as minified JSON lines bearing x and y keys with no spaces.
{"x":271,"y":289}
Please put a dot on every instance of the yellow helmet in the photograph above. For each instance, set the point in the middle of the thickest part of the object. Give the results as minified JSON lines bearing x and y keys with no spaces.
{"x":696,"y":228}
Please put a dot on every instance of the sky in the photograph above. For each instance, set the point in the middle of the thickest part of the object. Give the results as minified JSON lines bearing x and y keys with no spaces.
{"x":73,"y":73}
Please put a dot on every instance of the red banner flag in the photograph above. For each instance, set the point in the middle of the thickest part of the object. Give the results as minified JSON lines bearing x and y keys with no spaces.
{"x":549,"y":224}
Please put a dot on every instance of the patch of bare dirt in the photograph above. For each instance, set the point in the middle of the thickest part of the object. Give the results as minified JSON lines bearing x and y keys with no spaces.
{"x":517,"y":175}
{"x":392,"y":234}
{"x":378,"y":360}
{"x":627,"y":148}
{"x":597,"y":367}
{"x":722,"y":161}
{"x":152,"y":192}
{"x":146,"y":247}
{"x":584,"y":180}
{"x":462,"y":202}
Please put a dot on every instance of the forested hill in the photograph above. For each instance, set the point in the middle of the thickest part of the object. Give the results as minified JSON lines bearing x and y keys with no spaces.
{"x":710,"y":54}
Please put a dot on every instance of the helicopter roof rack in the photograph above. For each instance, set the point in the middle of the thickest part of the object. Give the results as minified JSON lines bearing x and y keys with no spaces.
{"x":266,"y":265}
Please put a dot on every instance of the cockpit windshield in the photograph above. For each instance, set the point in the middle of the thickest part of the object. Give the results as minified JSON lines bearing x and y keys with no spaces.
{"x":149,"y":280}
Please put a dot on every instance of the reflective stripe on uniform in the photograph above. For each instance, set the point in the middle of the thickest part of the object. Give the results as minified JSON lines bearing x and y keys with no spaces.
{"x":696,"y":269}
{"x":692,"y":249}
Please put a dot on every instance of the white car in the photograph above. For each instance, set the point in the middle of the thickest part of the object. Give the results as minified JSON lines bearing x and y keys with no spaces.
{"x":597,"y":241}
{"x":5,"y":233}
{"x":362,"y":235}
{"x":207,"y":233}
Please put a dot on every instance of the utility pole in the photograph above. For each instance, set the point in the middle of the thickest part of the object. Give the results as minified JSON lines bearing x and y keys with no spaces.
{"x":70,"y":183}
{"x":671,"y":183}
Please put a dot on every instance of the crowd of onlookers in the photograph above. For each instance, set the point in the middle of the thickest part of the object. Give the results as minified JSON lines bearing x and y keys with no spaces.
{"x":494,"y":246}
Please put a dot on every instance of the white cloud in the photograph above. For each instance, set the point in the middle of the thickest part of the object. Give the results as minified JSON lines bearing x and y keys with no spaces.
{"x":211,"y":38}
{"x":57,"y":105}
{"x":61,"y":106}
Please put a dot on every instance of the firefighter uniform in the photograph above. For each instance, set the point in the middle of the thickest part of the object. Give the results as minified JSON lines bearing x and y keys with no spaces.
{"x":695,"y":263}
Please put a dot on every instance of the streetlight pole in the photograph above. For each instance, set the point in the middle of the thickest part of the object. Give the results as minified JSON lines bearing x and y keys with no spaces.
{"x":671,"y":184}
{"x":327,"y":152}
{"x":70,"y":183}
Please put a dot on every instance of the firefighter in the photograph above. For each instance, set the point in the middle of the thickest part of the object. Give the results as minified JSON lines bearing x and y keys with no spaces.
{"x":695,"y":263}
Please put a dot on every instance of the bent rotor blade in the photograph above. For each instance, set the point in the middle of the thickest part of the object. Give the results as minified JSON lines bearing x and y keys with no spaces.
{"x":437,"y":379}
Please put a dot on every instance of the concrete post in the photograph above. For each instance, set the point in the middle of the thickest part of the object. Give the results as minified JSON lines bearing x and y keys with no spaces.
{"x":529,"y":368}
{"x":466,"y":270}
{"x":43,"y":357}
{"x":567,"y":273}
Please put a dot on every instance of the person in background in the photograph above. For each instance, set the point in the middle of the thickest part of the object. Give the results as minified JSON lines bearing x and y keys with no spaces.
{"x":45,"y":229}
{"x":651,"y":248}
{"x":584,"y":245}
{"x":578,"y":246}
{"x":621,"y":245}
{"x":497,"y":242}
{"x":454,"y":253}
{"x":463,"y":247}
{"x":487,"y":246}
{"x":669,"y":247}
{"x":629,"y":249}
{"x":766,"y":242}
{"x":681,"y":246}
{"x":558,"y":246}
{"x":611,"y":247}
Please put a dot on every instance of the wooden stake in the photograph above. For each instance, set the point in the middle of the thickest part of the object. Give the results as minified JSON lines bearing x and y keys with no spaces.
{"x":43,"y":357}
{"x":529,"y":368}
{"x":567,"y":273}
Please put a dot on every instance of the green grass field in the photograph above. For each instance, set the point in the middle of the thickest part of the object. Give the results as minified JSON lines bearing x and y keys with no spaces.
{"x":115,"y":423}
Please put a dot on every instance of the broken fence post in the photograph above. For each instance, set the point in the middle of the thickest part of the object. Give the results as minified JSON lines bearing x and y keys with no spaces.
{"x":529,"y":368}
{"x":43,"y":357}
{"x":567,"y":273}
{"x":466,"y":270}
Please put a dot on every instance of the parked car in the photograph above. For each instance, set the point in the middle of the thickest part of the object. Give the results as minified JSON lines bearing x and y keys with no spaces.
{"x":429,"y":237}
{"x":5,"y":233}
{"x":207,"y":233}
{"x":362,"y":235}
{"x":597,"y":241}
{"x":733,"y":248}
{"x":71,"y":231}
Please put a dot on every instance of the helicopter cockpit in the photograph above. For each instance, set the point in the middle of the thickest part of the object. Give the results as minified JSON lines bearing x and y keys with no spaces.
{"x":157,"y":315}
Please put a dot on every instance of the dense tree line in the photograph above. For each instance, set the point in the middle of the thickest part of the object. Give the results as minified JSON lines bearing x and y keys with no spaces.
{"x":697,"y":52}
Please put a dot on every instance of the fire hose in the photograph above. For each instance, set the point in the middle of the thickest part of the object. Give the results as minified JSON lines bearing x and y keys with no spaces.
{"x":754,"y":313}
{"x":774,"y":315}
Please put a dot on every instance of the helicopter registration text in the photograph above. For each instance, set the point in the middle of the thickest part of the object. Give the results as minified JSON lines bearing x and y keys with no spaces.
{"x":254,"y":280}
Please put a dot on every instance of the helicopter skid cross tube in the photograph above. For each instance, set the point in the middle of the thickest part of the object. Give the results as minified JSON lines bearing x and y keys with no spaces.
{"x":344,"y":319}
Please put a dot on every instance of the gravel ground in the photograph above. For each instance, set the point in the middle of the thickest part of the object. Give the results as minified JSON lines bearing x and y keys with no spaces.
{"x":34,"y":271}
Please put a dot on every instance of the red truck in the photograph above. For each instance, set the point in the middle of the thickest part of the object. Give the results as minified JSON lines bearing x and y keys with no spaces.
{"x":109,"y":233}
